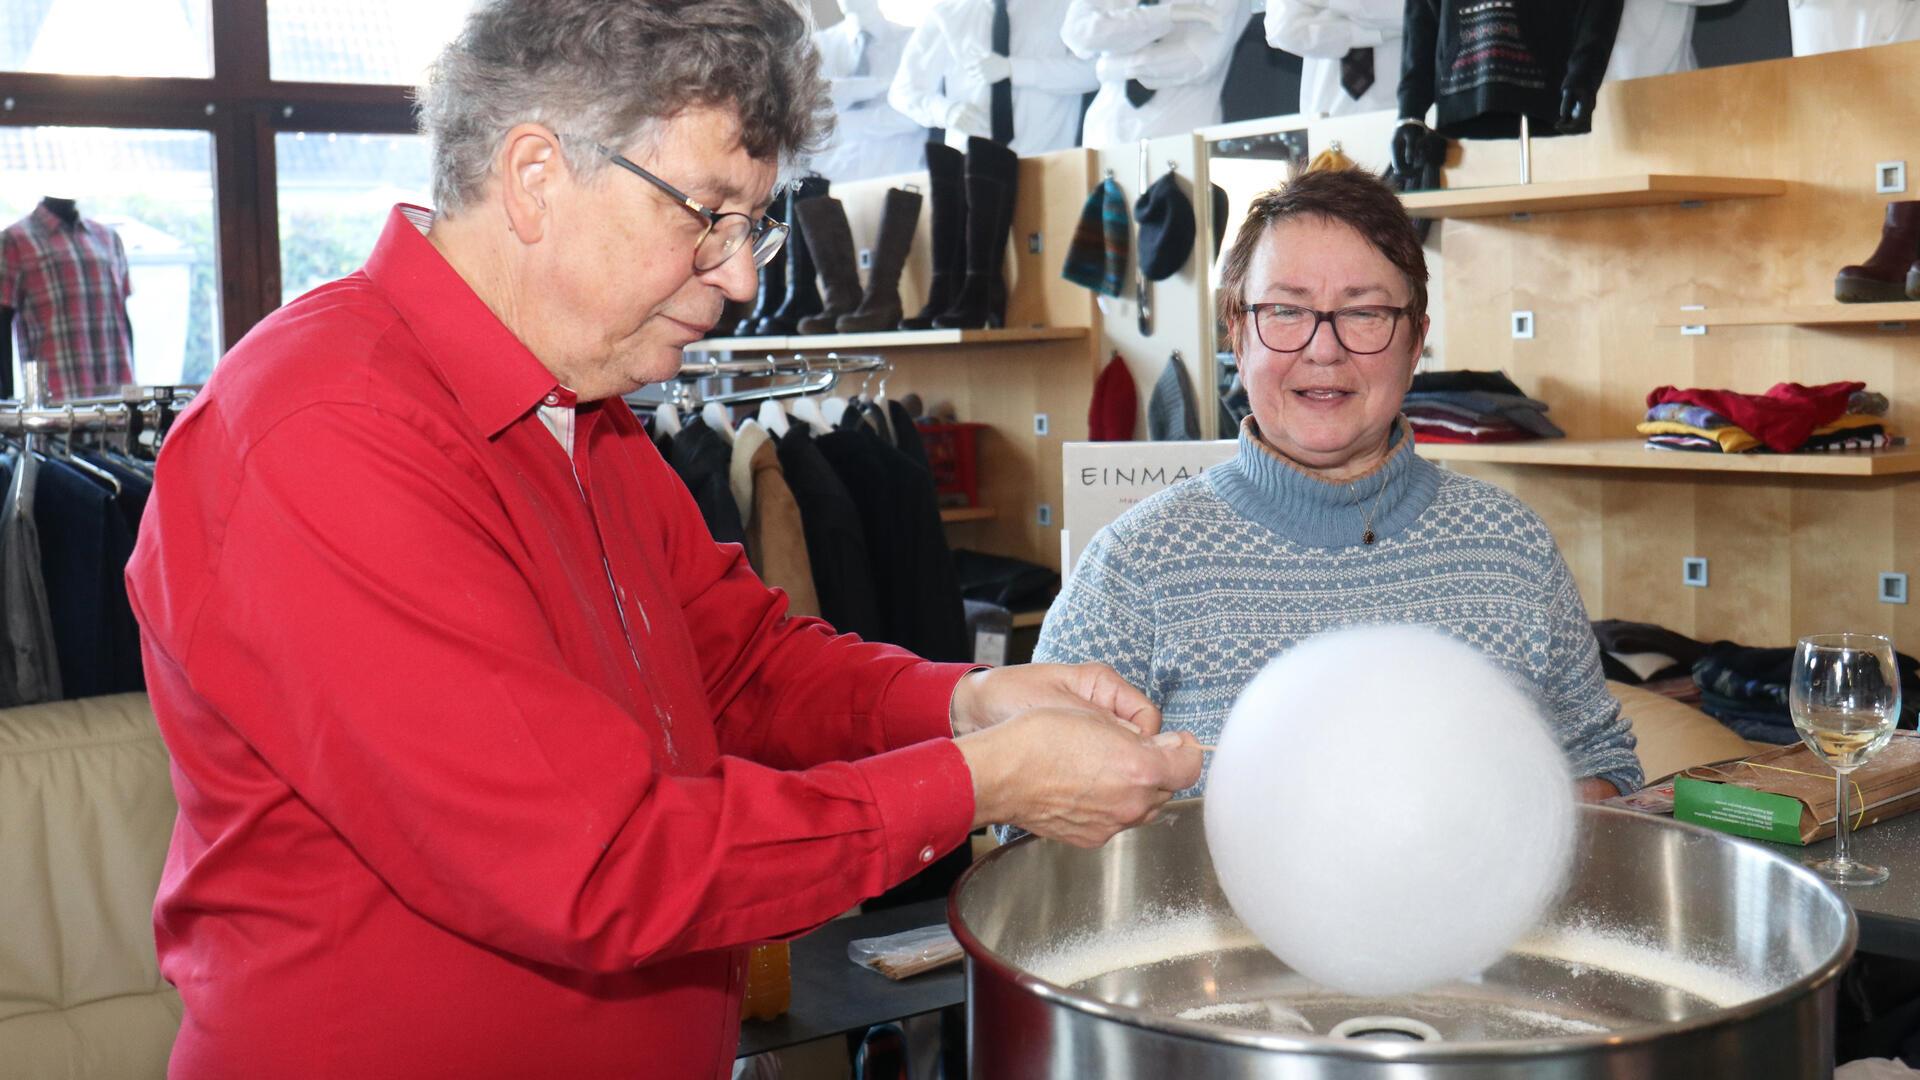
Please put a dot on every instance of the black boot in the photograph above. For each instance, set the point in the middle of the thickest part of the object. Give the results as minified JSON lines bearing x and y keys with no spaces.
{"x":773,"y":292}
{"x":948,"y":191}
{"x":732,"y":318}
{"x":830,"y":239}
{"x":880,"y":308}
{"x":803,"y":295}
{"x":992,"y":179}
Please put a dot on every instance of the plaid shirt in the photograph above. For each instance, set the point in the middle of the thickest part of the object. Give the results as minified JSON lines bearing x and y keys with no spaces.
{"x":69,"y":285}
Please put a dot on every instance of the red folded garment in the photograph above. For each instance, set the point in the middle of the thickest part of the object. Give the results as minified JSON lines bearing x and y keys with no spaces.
{"x":1782,"y":418}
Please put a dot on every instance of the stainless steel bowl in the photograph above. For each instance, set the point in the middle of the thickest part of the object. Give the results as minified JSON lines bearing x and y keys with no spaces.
{"x":1676,"y":952}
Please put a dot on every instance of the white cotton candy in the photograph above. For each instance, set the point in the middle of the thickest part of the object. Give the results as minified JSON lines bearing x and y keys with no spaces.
{"x":1388,"y":811}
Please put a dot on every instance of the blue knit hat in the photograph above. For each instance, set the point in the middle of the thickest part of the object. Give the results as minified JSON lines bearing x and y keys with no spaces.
{"x":1097,"y":255}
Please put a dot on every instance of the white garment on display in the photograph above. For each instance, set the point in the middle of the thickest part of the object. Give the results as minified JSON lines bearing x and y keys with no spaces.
{"x":1048,"y":80}
{"x":1320,"y":32}
{"x":1822,"y":26}
{"x":1180,"y":57}
{"x":858,"y":57}
{"x":1655,"y":38}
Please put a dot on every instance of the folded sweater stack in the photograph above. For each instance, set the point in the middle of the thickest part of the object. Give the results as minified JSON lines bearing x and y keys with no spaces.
{"x":1789,"y":418}
{"x":1474,"y":407}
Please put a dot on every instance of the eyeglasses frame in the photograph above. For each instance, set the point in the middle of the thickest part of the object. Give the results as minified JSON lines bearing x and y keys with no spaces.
{"x":1327,"y":318}
{"x":755,"y":229}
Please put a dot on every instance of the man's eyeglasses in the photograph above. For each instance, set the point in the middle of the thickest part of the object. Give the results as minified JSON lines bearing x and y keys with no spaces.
{"x":727,"y":232}
{"x":1362,"y":331}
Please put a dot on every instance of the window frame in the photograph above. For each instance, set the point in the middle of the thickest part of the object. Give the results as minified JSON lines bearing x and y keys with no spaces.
{"x":243,"y":108}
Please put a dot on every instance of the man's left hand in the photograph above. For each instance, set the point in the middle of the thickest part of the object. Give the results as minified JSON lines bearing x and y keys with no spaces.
{"x":986,"y":698}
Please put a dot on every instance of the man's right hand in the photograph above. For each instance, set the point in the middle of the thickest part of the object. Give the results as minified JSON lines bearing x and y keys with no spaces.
{"x":1075,"y":775}
{"x":968,"y":119}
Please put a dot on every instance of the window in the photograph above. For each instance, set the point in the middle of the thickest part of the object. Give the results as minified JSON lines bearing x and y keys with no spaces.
{"x":359,"y":41}
{"x":107,"y":37}
{"x":165,"y":221}
{"x":336,"y":191}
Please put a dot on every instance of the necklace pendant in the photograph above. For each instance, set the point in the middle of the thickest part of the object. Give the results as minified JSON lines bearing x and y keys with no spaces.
{"x":1367,"y":537}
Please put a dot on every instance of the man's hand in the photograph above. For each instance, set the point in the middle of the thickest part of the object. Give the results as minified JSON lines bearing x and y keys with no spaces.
{"x":967,"y":119}
{"x":1593,"y":790}
{"x":986,"y":698}
{"x":1074,"y":775}
{"x":988,"y":68}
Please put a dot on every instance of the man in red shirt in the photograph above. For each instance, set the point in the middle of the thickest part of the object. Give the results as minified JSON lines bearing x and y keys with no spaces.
{"x":489,"y":760}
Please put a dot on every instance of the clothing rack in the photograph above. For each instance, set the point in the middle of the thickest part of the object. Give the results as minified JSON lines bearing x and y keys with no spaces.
{"x":814,"y":375}
{"x":136,"y":410}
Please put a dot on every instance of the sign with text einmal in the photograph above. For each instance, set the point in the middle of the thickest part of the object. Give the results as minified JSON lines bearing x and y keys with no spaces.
{"x":1105,"y":479}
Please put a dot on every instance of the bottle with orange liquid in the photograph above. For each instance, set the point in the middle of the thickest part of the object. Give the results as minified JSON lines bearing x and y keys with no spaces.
{"x":769,"y":982}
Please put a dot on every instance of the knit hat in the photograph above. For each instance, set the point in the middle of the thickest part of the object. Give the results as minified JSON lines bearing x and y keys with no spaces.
{"x":1116,"y":404}
{"x":1097,"y":255}
{"x":1166,"y":228}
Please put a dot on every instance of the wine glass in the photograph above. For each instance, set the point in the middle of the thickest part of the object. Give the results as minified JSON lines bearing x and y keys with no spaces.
{"x":1845,"y":700}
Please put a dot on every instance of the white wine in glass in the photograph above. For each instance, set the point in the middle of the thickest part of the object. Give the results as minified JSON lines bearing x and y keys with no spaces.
{"x":1845,"y":700}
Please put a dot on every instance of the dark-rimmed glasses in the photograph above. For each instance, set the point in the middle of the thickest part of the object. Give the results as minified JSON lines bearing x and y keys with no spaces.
{"x":727,"y":231}
{"x":1362,"y":330}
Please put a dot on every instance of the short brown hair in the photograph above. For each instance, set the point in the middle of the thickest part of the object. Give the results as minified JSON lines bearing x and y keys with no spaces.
{"x":611,"y":71}
{"x":1352,"y":197}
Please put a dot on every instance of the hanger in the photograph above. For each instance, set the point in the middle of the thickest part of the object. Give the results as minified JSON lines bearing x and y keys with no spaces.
{"x":807,"y":407}
{"x":65,"y":444}
{"x":666,"y":418}
{"x":717,"y":418}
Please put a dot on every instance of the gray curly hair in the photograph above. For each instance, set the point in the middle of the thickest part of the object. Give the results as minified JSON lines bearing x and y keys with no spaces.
{"x":609,"y":71}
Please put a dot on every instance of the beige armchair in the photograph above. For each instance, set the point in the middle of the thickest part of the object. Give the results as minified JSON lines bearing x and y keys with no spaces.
{"x":86,"y":809}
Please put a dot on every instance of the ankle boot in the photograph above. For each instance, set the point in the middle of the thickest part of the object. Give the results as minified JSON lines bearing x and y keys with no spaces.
{"x":773,"y":292}
{"x":948,"y":191}
{"x":880,"y":308}
{"x":1886,"y":275}
{"x":991,"y":178}
{"x":830,"y":238}
{"x":1913,"y":281}
{"x":803,"y":295}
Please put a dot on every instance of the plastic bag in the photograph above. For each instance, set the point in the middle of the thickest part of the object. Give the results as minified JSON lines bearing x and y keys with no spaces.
{"x":908,"y":953}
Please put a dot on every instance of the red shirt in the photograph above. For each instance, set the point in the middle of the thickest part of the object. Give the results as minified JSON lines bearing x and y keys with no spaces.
{"x":484,"y":772}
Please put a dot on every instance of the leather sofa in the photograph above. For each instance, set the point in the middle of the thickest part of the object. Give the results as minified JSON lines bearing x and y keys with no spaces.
{"x":86,"y":809}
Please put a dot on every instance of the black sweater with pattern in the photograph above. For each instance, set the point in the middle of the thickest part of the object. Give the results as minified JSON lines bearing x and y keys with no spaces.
{"x":1486,"y":63}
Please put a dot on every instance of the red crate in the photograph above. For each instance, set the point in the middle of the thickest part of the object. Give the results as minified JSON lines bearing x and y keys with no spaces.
{"x":953,"y":451}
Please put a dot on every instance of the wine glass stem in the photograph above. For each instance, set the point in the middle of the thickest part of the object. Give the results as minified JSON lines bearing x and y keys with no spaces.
{"x":1841,"y":825}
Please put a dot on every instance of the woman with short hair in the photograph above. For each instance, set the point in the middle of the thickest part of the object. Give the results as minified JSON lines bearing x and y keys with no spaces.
{"x":1325,"y":517}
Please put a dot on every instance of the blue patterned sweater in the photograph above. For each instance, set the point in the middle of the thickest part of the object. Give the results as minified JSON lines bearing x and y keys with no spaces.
{"x":1190,"y":593}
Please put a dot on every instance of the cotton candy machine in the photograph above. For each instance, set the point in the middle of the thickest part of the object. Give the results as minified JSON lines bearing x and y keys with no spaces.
{"x":1676,"y":952}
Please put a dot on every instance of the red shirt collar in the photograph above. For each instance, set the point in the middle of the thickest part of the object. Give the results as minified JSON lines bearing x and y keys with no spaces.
{"x":493,"y":375}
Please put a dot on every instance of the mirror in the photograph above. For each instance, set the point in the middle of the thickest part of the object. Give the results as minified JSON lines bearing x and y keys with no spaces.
{"x":1242,"y":160}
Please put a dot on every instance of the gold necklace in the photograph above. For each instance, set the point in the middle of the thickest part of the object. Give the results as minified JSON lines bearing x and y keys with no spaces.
{"x":1366,"y":536}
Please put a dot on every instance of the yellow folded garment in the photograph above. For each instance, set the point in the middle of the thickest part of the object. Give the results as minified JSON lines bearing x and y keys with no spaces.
{"x":1849,"y":422}
{"x":1732,"y":440}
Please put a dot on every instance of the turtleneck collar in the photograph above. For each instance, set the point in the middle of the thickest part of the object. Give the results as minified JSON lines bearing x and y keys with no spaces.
{"x":1265,"y":486}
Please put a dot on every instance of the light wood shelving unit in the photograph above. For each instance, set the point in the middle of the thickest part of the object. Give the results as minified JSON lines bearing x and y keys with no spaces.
{"x":1605,"y":193}
{"x":1902,"y":315}
{"x":890,"y":339}
{"x":1022,"y":619}
{"x":1633,"y":454}
{"x":954,"y":515}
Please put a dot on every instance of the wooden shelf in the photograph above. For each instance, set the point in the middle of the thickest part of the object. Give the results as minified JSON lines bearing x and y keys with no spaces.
{"x":1906,"y":315}
{"x":955,"y":514}
{"x":1640,"y":189}
{"x":889,"y":339}
{"x":1028,"y":618}
{"x":1633,"y":454}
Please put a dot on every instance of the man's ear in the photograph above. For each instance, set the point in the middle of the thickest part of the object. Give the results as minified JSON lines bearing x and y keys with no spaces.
{"x":532,"y":171}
